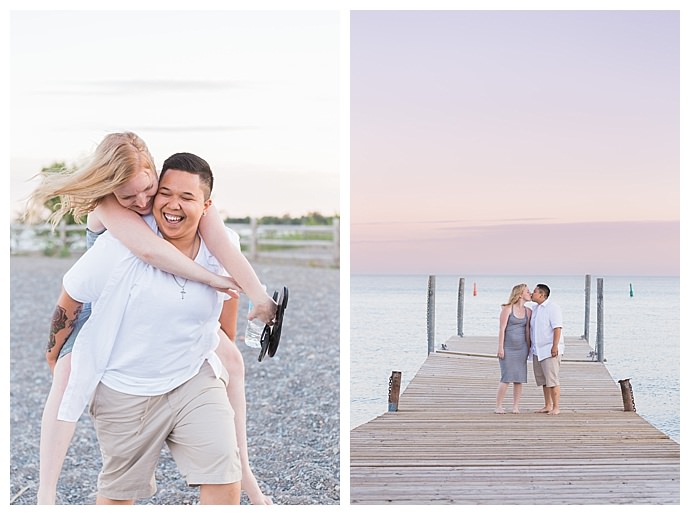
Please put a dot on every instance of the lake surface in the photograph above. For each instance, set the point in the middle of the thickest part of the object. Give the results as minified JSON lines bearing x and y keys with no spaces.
{"x":641,"y":333}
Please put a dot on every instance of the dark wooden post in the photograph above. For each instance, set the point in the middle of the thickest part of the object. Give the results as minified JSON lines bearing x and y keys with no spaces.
{"x":588,"y":291}
{"x":461,"y":305}
{"x":626,"y":392}
{"x":600,"y":320}
{"x":394,"y":390}
{"x":430,"y":313}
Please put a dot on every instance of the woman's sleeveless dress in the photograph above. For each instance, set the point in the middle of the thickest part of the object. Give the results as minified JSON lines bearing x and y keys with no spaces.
{"x":514,"y":362}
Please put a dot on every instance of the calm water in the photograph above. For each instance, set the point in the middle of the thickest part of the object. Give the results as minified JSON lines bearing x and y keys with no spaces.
{"x":641,"y":333}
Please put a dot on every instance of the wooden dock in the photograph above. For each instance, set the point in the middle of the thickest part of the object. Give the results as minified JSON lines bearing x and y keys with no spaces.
{"x":445,"y":445}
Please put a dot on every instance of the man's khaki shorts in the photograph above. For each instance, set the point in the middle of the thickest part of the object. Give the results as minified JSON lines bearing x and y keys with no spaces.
{"x":546,"y":371}
{"x":195,"y":420}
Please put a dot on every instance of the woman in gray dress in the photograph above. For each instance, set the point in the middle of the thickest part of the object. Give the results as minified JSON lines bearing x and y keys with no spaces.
{"x":513,"y":345}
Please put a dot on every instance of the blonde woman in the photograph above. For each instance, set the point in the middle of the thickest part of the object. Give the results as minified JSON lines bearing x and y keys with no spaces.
{"x":115,"y":187}
{"x":513,"y":345}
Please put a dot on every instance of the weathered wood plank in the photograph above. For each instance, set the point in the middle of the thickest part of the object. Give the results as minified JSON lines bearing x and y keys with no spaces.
{"x":446,"y":446}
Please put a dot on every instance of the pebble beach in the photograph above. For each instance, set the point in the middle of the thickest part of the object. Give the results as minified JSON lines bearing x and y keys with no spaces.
{"x":293,"y":399}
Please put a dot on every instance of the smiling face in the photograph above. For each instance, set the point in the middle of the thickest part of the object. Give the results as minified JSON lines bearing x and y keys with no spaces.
{"x":138,"y":192}
{"x":179,"y":205}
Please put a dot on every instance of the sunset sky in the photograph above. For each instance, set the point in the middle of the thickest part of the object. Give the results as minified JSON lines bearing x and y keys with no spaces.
{"x":255,"y":93}
{"x":515,"y":142}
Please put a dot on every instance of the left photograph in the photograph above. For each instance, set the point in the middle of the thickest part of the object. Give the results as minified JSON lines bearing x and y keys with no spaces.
{"x":175,"y":257}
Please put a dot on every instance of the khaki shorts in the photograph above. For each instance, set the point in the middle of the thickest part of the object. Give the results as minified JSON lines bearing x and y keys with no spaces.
{"x":546,"y":371}
{"x":195,"y":420}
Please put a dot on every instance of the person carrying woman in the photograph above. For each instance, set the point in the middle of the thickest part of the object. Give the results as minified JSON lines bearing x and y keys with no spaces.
{"x":113,"y":190}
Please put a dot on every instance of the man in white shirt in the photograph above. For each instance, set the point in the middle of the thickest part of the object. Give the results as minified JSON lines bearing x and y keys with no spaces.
{"x":156,"y":376}
{"x":547,"y":347}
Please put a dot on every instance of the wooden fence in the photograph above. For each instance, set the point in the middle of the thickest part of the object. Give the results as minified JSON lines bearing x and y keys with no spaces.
{"x":315,"y":244}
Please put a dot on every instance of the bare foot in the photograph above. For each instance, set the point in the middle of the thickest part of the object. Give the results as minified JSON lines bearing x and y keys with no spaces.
{"x":554,"y":412}
{"x":253,"y":490}
{"x":543,"y":410}
{"x":500,"y":411}
{"x":516,"y":411}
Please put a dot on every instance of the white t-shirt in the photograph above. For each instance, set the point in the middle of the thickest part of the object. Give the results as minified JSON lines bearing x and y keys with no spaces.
{"x":546,"y":317}
{"x":161,"y":339}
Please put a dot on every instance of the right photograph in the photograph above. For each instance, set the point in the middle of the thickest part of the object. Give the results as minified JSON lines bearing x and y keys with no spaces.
{"x":515,"y":257}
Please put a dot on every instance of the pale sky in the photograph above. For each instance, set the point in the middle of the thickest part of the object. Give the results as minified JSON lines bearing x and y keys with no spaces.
{"x":475,"y":141}
{"x":515,"y":142}
{"x":255,"y":93}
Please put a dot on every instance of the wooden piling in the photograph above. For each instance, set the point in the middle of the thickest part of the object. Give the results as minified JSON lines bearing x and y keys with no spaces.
{"x":430,"y":313}
{"x":600,"y":320}
{"x":461,"y":305}
{"x":588,"y":291}
{"x":626,"y":392}
{"x":394,"y":390}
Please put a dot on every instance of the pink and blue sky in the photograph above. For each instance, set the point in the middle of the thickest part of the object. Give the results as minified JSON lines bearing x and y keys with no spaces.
{"x":543,"y":142}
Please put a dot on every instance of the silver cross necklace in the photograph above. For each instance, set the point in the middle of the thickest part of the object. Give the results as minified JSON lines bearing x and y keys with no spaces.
{"x":194,"y":251}
{"x":182,"y":291}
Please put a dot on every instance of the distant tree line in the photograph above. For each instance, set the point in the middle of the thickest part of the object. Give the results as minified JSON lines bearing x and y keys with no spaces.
{"x":313,"y":218}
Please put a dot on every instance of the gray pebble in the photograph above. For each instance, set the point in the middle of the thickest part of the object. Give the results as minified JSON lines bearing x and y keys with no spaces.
{"x":293,"y":399}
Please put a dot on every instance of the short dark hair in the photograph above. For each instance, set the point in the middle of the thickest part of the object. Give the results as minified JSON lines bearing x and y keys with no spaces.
{"x":193,"y":164}
{"x":544,"y":289}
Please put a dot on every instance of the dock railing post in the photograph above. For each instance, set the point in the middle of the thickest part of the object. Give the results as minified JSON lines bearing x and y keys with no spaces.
{"x":394,"y":390}
{"x":600,"y":320}
{"x":588,"y":291}
{"x":430,"y":313}
{"x":461,"y":305}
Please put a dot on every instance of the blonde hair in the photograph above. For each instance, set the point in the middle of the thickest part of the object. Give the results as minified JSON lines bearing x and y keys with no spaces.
{"x":515,"y":294}
{"x":117,"y":158}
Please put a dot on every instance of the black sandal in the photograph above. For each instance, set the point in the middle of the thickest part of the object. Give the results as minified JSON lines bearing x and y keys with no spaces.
{"x":270,"y":337}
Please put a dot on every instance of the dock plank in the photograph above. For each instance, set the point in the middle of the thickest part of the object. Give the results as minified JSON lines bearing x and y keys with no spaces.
{"x":445,"y":445}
